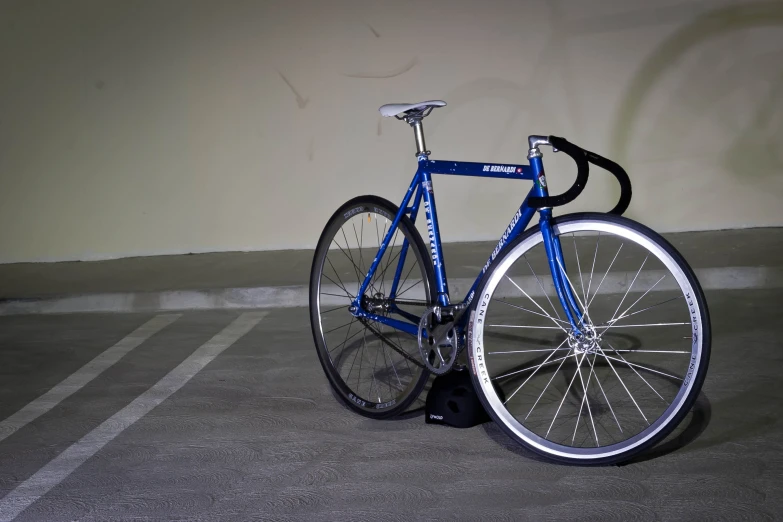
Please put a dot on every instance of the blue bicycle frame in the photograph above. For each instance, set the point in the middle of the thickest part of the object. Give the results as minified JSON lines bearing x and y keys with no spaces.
{"x":421,"y":190}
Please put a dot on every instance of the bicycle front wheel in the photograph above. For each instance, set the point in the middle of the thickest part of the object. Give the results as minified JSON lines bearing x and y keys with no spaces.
{"x":630,"y":375}
{"x":374,"y":369}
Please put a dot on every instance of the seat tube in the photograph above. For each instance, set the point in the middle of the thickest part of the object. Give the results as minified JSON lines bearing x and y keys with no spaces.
{"x":433,"y":232}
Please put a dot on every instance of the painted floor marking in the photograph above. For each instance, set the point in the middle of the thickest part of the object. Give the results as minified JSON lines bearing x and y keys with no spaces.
{"x":77,"y":454}
{"x":84,"y":375}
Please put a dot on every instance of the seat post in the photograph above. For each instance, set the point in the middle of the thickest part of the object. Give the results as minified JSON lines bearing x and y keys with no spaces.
{"x":418,"y":131}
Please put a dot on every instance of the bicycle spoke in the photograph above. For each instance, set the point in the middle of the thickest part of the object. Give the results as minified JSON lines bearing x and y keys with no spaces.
{"x":346,"y":339}
{"x":393,"y":367}
{"x":383,"y":236}
{"x":578,"y":365}
{"x":357,"y":272}
{"x":585,"y":400}
{"x":528,"y":351}
{"x":651,"y":351}
{"x":337,"y":328}
{"x":402,"y":285}
{"x":391,"y":345}
{"x":576,"y":295}
{"x":353,"y":363}
{"x":361,"y":360}
{"x":338,"y":284}
{"x":606,"y":327}
{"x":526,"y":326}
{"x":333,"y":309}
{"x":595,"y":255}
{"x":509,"y":374}
{"x":629,"y":287}
{"x":554,"y":308}
{"x":397,"y":333}
{"x":642,"y":296}
{"x":562,"y":360}
{"x":649,"y":307}
{"x":359,"y":245}
{"x":534,"y":372}
{"x":531,"y":311}
{"x":624,"y":386}
{"x":637,"y":373}
{"x":414,"y":284}
{"x":630,"y":364}
{"x":339,"y":358}
{"x":391,"y":259}
{"x":335,"y":295}
{"x":592,"y":368}
{"x":553,"y":361}
{"x":579,"y":268}
{"x":374,"y":371}
{"x":355,"y":268}
{"x":604,"y":277}
{"x":380,"y":276}
{"x":535,"y":303}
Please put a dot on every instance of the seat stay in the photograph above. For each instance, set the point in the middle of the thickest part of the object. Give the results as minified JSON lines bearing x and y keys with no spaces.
{"x":385,"y":243}
{"x":413,"y":210}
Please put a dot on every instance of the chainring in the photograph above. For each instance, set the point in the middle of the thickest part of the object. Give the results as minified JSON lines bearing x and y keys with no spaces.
{"x":435,"y":340}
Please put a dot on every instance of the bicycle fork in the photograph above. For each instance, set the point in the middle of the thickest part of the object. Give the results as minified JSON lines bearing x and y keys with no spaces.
{"x":563,"y":285}
{"x":554,"y":254}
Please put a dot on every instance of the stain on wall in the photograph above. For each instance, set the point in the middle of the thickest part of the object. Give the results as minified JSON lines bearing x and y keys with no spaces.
{"x":301,"y":102}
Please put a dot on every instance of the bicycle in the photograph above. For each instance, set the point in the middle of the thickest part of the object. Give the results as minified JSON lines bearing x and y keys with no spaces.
{"x":559,"y":358}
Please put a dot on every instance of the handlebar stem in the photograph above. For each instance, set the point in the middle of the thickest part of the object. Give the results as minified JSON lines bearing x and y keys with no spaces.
{"x":534,"y":142}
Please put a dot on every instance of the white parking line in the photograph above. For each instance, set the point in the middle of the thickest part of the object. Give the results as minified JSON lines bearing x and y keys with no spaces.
{"x":83,"y":375}
{"x":64,"y":464}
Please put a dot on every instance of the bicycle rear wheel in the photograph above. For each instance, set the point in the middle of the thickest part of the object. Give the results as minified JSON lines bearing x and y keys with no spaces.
{"x":374,"y":369}
{"x":634,"y":372}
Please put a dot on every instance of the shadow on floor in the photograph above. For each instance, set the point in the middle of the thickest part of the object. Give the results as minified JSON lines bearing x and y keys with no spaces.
{"x":699,"y":420}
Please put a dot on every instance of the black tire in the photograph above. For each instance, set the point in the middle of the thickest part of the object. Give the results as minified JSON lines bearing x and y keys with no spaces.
{"x":331,"y":270}
{"x":507,"y":414}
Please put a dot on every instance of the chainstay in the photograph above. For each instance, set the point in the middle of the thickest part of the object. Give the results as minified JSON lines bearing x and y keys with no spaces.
{"x":407,"y":303}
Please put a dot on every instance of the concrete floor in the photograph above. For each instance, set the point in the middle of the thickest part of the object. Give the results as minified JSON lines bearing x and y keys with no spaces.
{"x":257,"y":435}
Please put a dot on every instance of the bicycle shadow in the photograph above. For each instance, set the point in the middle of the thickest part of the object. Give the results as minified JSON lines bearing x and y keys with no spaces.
{"x":691,"y":429}
{"x":700,"y":417}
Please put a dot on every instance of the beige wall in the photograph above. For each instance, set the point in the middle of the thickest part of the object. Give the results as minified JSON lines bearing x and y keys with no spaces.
{"x":149,"y":127}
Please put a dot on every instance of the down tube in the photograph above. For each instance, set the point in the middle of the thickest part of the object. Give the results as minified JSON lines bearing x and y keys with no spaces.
{"x":518,"y":223}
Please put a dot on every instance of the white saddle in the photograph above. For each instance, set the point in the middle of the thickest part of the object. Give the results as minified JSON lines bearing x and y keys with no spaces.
{"x":393,"y":109}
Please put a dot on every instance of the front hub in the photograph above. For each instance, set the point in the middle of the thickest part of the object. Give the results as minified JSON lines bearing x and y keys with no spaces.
{"x":584,"y":342}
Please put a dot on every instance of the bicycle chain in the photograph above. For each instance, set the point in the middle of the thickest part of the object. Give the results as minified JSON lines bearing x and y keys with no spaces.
{"x":390,"y":344}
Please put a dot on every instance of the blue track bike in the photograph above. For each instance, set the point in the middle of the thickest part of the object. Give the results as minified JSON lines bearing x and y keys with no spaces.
{"x":587,"y":336}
